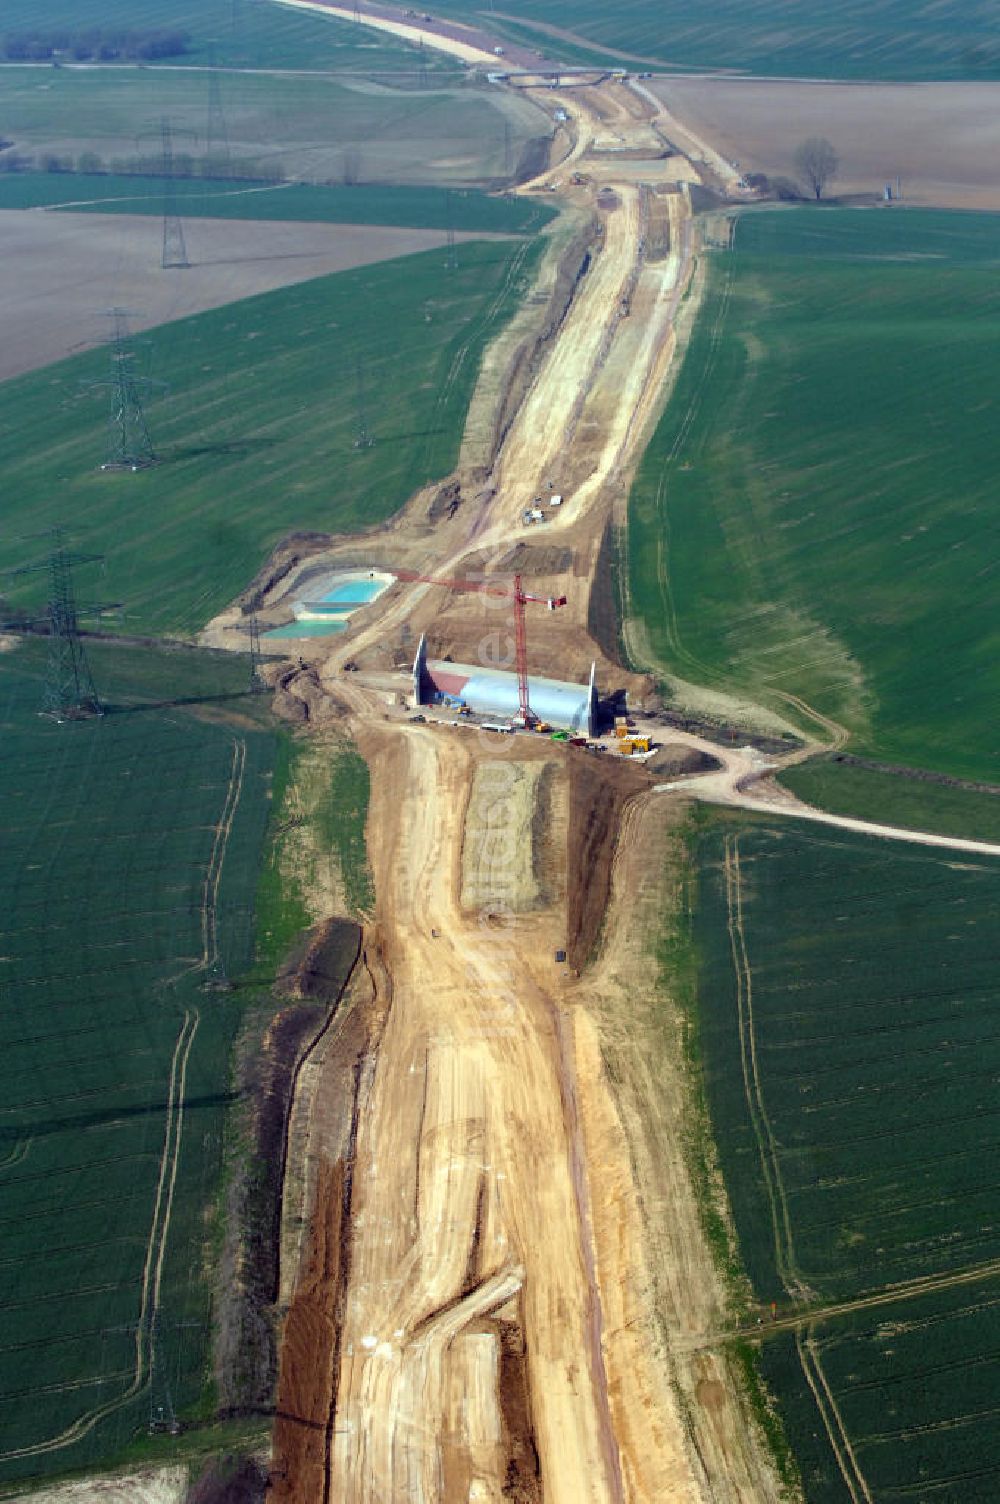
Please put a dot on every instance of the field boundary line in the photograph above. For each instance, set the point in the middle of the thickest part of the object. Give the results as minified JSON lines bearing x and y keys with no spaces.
{"x":927,"y":1284}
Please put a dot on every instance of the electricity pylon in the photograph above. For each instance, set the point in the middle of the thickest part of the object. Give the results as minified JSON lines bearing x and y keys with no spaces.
{"x":129,"y":444}
{"x":363,"y":436}
{"x":257,"y":681}
{"x":162,"y":1416}
{"x":174,"y":252}
{"x":69,"y":693}
{"x":451,"y":258}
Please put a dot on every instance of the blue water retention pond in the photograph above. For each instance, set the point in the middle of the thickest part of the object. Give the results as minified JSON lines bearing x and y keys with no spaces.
{"x":326,"y":605}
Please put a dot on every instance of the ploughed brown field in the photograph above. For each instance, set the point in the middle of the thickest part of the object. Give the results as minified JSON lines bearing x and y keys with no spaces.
{"x":942,"y":139}
{"x":63,"y":271}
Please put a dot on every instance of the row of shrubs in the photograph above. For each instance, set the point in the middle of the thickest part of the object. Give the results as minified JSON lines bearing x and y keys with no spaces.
{"x":185,"y":166}
{"x":98,"y":44}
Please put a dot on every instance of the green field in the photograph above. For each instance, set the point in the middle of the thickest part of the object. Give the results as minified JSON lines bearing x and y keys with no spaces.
{"x":816,"y":513}
{"x":238,"y":33}
{"x":869,"y":793}
{"x":128,"y":869}
{"x":317,"y":128}
{"x":256,"y":428}
{"x":878,"y":39}
{"x":419,"y":207}
{"x":340,"y":825}
{"x":848,"y":1000}
{"x":913,"y":1383}
{"x":882,"y":39}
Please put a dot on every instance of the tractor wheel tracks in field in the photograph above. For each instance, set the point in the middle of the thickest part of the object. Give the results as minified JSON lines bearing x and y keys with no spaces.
{"x":156,"y":1245}
{"x":833,"y":1421}
{"x":152,"y":1265}
{"x":784,"y":1251}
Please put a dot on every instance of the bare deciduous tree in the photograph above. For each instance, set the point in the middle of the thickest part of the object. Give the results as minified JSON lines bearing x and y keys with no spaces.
{"x":816,"y":162}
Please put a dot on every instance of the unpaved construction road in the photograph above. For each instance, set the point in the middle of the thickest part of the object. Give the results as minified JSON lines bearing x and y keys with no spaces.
{"x":507,"y":1292}
{"x":472,"y":1244}
{"x":492,"y":1332}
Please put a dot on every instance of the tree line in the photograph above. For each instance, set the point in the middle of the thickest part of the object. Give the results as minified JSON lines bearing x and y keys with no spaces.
{"x":94,"y":44}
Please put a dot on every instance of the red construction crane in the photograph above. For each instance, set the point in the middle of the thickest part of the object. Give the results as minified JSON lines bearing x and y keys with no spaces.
{"x":519,"y":598}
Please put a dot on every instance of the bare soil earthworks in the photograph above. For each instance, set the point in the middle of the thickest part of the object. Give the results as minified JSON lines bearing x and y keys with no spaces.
{"x":942,"y":139}
{"x":152,"y":1486}
{"x":64,"y":271}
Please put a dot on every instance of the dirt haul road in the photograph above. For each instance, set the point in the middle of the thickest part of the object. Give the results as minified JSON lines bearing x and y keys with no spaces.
{"x":471,"y":1226}
{"x":496,"y":1331}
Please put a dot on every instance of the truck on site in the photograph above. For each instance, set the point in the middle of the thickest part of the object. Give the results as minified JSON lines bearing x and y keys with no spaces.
{"x":630,"y":744}
{"x":621,"y":726}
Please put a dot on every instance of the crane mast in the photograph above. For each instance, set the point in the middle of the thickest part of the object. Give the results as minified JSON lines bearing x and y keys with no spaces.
{"x":520,"y":599}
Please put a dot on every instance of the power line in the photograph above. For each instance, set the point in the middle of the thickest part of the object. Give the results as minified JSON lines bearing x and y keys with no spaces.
{"x":216,"y":134}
